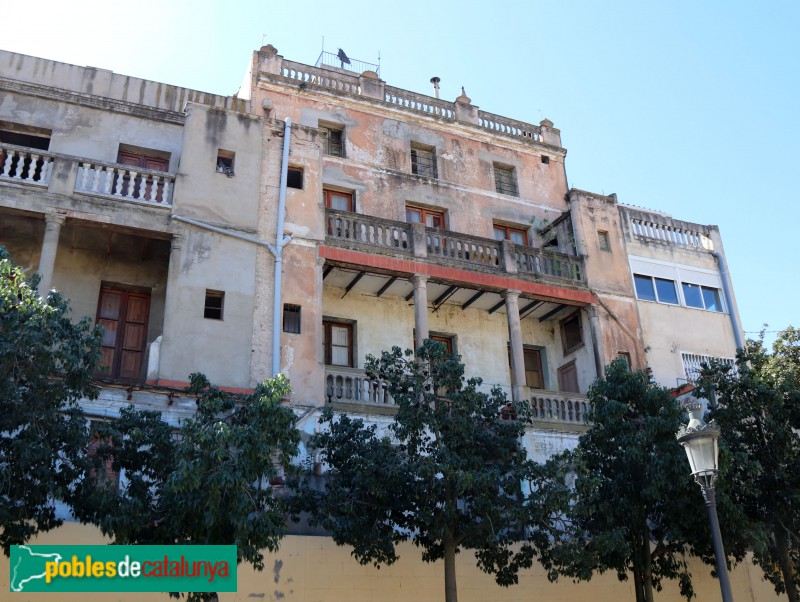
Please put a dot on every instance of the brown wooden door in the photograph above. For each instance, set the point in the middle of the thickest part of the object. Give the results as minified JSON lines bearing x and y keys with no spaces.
{"x":123,"y":315}
{"x":143,"y":162}
{"x":568,"y":378}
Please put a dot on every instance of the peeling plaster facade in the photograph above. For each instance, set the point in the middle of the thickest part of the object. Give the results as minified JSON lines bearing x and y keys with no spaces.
{"x":154,"y":209}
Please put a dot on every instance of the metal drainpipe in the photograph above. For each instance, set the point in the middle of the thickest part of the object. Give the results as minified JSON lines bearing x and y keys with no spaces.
{"x":726,"y":287}
{"x":279,"y":242}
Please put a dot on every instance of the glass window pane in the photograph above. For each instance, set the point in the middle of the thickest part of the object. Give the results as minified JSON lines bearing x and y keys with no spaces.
{"x":433,"y":221}
{"x":339,"y":335}
{"x":340,"y":202}
{"x":711,"y":298}
{"x":499,"y":233}
{"x":340,"y":356}
{"x":691,"y":294}
{"x":644,"y":287}
{"x":413,"y":216}
{"x":666,"y":291}
{"x":518,"y":238}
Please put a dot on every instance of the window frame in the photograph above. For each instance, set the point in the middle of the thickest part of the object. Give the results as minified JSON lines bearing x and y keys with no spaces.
{"x":424,"y":213}
{"x":301,"y":171}
{"x":326,"y":130}
{"x":226,"y":161}
{"x":214,"y":294}
{"x":327,"y":346}
{"x":505,"y":184}
{"x":507,"y":231}
{"x":562,"y":327}
{"x":290,"y":309}
{"x":604,"y":241}
{"x":654,"y":287}
{"x":329,"y":192}
{"x":702,"y":290}
{"x":418,"y":166}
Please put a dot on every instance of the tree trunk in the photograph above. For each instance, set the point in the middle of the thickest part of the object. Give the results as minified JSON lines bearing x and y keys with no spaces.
{"x":647,"y":563}
{"x":782,"y":547}
{"x":450,"y":591}
{"x":637,"y":584}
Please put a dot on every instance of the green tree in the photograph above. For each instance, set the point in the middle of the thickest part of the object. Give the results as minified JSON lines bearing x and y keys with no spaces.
{"x":206,"y":484}
{"x":635,"y":509}
{"x":46,"y":363}
{"x":451,"y":475}
{"x":758,"y":412}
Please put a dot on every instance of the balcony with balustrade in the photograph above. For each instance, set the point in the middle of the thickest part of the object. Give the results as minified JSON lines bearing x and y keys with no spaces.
{"x":38,"y":181}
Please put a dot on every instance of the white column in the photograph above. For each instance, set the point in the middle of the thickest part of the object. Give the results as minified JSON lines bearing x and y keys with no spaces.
{"x":420,"y":308}
{"x":47,"y":260}
{"x":515,"y":337}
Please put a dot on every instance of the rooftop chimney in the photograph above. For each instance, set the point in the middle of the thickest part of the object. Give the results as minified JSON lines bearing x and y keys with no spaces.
{"x":435,"y":81}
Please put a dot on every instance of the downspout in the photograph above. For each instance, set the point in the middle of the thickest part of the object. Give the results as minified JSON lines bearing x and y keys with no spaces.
{"x":728,"y":299}
{"x":280,"y":241}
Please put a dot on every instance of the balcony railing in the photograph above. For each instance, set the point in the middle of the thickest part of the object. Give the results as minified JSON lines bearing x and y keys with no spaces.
{"x":351,"y":385}
{"x":559,"y":408}
{"x":25,"y":165}
{"x":377,"y":235}
{"x":113,"y":180}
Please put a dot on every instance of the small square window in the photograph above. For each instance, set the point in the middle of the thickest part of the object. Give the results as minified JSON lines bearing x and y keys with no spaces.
{"x":603,"y":240}
{"x":294,"y":178}
{"x":291,"y":318}
{"x":225,"y":162}
{"x":644,"y":287}
{"x":505,"y":180}
{"x":545,"y":159}
{"x":423,"y":160}
{"x":666,"y":291}
{"x":332,"y":140}
{"x":711,"y":299}
{"x":692,"y":295}
{"x":215,"y":301}
{"x":571,"y":333}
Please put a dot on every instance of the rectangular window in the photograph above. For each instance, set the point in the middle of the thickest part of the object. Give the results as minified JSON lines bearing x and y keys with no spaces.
{"x":215,"y":301}
{"x":294,"y":177}
{"x":423,"y":160}
{"x":534,"y":374}
{"x":649,"y":288}
{"x":343,"y":201}
{"x":225,"y":162}
{"x":568,"y":378}
{"x":603,"y":240}
{"x":505,"y":180}
{"x":625,"y":357}
{"x":109,"y":476}
{"x":572,"y":333}
{"x":332,"y":140}
{"x":142,"y":185}
{"x":702,"y":297}
{"x":518,"y":236}
{"x":291,"y":318}
{"x":337,"y":341}
{"x":429,"y":217}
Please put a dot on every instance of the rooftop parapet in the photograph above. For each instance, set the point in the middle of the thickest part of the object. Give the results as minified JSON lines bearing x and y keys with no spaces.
{"x":332,"y":80}
{"x":657,"y":226}
{"x":29,"y":74}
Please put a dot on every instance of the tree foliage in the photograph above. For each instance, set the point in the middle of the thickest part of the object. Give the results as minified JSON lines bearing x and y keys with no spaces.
{"x":758,"y":412}
{"x":451,"y":474}
{"x":46,"y":363}
{"x":635,"y":509}
{"x":206,"y":484}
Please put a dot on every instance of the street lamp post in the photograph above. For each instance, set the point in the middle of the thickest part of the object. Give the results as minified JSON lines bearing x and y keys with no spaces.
{"x":700,"y":441}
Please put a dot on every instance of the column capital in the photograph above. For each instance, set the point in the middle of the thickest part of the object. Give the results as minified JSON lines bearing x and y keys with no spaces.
{"x":511,"y":294}
{"x":420,"y":278}
{"x":55,"y":217}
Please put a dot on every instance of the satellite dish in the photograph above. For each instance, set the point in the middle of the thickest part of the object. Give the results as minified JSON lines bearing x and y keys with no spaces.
{"x":343,"y":57}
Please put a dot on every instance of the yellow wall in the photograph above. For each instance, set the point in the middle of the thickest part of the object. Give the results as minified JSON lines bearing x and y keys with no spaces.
{"x":313,"y":569}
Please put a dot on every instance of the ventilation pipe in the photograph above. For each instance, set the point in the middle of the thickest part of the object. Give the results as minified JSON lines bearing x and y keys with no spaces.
{"x":280,"y":241}
{"x":726,"y":288}
{"x":435,"y":81}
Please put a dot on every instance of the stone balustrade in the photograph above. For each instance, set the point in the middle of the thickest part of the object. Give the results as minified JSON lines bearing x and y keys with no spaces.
{"x":419,"y":103}
{"x":665,"y":229}
{"x":125,"y":182}
{"x":434,"y":245}
{"x":559,"y":408}
{"x":510,"y":127}
{"x":25,"y":165}
{"x":305,"y":74}
{"x":351,"y":385}
{"x":367,"y":231}
{"x":462,"y":248}
{"x":548,"y":264}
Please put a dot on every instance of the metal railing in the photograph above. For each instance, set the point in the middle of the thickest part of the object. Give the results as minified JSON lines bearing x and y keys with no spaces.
{"x":355,"y":65}
{"x":25,"y":165}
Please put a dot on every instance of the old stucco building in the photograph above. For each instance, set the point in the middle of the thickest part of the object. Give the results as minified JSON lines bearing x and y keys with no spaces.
{"x":392,"y":217}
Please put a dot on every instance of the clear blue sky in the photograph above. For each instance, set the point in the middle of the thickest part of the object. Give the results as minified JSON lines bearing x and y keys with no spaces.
{"x":688,"y":107}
